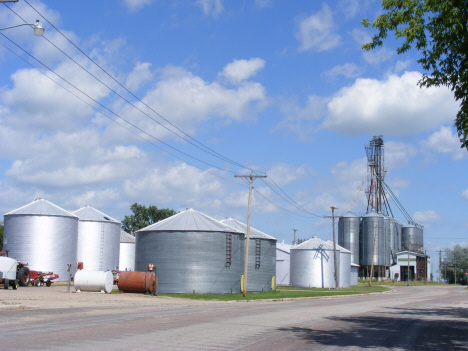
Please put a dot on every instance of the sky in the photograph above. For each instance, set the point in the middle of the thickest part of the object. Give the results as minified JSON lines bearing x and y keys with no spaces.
{"x":183,"y":95}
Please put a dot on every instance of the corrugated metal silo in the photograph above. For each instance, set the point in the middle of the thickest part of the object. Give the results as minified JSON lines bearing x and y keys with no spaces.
{"x":386,"y":240}
{"x":283,"y":262}
{"x":98,"y":240}
{"x":344,"y":268}
{"x":348,"y":234}
{"x":372,"y":223}
{"x":398,"y":247}
{"x":192,"y":253}
{"x":127,"y":252}
{"x":312,"y":264}
{"x":409,"y":235}
{"x":43,"y":235}
{"x":262,"y":256}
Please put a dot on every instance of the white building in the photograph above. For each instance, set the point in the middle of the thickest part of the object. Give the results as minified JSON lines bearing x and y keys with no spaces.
{"x":417,"y":263}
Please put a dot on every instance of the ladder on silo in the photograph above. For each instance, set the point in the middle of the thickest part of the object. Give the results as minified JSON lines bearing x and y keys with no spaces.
{"x":258,"y":246}
{"x":101,"y":247}
{"x":228,"y":249}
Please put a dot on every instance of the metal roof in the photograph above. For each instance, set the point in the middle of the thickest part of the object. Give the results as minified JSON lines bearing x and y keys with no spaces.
{"x":126,"y":238}
{"x":313,"y":244}
{"x":88,"y":213}
{"x":41,"y":207}
{"x":373,"y":214}
{"x":349,"y":214}
{"x":190,"y":221}
{"x":284,"y":247}
{"x":254,"y":233}
{"x":338,"y":247}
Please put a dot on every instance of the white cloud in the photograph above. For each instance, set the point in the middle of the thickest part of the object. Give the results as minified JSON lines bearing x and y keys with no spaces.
{"x":135,"y":5}
{"x":397,"y":155}
{"x":395,"y":106}
{"x":350,"y":7}
{"x":263,"y":3}
{"x":465,"y":194}
{"x":300,"y":120}
{"x":240,"y":70}
{"x":444,"y":141}
{"x":317,"y":31}
{"x":211,"y":7}
{"x":283,"y":173}
{"x":427,"y":216}
{"x":349,"y":70}
{"x":141,"y":74}
{"x":360,"y":36}
{"x":401,"y":65}
{"x":377,"y":56}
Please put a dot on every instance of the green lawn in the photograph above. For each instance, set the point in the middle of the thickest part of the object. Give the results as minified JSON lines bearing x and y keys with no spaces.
{"x":283,"y":293}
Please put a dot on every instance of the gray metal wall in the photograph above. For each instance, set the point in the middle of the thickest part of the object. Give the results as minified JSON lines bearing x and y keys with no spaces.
{"x":188,"y":262}
{"x":348,"y":236}
{"x":127,"y":257}
{"x":307,"y":267}
{"x":46,"y":243}
{"x":369,"y":224}
{"x":98,"y":245}
{"x":259,"y":278}
{"x":345,"y":269}
{"x":282,"y":267}
{"x":409,"y":237}
{"x":386,"y":241}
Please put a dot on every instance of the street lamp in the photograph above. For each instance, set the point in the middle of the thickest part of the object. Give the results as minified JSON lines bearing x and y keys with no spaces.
{"x":38,"y":29}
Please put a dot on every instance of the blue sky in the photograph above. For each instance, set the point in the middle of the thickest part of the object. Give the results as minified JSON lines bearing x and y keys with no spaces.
{"x":281,"y":87}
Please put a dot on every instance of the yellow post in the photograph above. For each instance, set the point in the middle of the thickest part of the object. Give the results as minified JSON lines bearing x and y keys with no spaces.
{"x":273,"y":283}
{"x":242,"y":283}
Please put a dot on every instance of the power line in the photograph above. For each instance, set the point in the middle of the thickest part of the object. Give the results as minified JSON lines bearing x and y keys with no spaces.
{"x":203,"y":148}
{"x":177,"y":157}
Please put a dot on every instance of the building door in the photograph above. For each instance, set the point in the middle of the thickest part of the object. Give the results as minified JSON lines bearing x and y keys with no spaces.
{"x":404,"y":273}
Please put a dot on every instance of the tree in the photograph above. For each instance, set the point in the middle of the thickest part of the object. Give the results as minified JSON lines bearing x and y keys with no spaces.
{"x":456,"y":257}
{"x":438,"y":29}
{"x":144,"y":216}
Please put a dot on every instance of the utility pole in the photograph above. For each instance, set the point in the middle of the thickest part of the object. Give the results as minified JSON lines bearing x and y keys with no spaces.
{"x":295,"y":230}
{"x":440,"y":263}
{"x":333,"y":208}
{"x":246,"y":261}
{"x":425,"y":268}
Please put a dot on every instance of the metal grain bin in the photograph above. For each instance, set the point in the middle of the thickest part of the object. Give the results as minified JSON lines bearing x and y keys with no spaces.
{"x":372,"y":223}
{"x":386,"y":241}
{"x":127,"y":252}
{"x":262,"y":256}
{"x":348,"y":234}
{"x":409,"y":237}
{"x":283,"y":262}
{"x":43,"y":235}
{"x":344,"y":268}
{"x":312,"y":264}
{"x":98,"y":240}
{"x":193,"y":253}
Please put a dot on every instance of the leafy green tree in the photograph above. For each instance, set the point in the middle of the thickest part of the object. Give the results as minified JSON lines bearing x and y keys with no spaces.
{"x":300,"y":241}
{"x":456,"y":257}
{"x":438,"y":29}
{"x":144,"y":216}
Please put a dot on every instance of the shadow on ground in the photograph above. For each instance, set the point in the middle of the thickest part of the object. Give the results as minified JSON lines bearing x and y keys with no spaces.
{"x":402,"y":328}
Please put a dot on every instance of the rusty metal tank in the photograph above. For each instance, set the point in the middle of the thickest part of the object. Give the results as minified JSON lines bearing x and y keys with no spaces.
{"x":138,"y":282}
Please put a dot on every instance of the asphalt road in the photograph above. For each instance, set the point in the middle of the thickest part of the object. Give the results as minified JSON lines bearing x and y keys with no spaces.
{"x":410,"y":318}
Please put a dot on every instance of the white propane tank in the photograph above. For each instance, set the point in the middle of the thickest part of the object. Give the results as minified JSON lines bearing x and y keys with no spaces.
{"x":8,"y":267}
{"x":94,"y":281}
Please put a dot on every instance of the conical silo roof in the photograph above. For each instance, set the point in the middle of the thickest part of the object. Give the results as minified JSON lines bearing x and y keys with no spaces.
{"x":254,"y":233}
{"x":373,"y":214}
{"x":313,"y":244}
{"x":284,"y":247}
{"x":41,"y":207}
{"x":338,"y":247}
{"x":90,"y":214}
{"x":349,"y":214}
{"x":126,"y":238}
{"x":190,"y":221}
